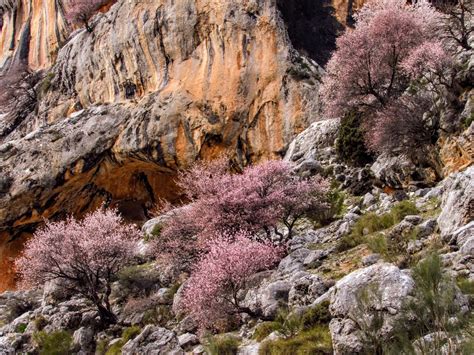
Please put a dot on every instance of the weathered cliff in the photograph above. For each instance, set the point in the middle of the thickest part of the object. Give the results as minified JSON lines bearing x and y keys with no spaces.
{"x":31,"y":30}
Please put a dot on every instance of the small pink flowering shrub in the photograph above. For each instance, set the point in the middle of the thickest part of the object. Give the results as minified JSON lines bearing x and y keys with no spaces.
{"x":264,"y":201}
{"x":211,"y":294}
{"x":85,"y":255}
{"x":80,"y":11}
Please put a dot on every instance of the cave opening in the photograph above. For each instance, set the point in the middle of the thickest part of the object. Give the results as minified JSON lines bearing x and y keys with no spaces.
{"x":312,"y":27}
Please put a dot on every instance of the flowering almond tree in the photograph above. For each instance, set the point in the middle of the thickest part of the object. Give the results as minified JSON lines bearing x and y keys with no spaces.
{"x":80,"y":11}
{"x":365,"y":72}
{"x":211,"y":294}
{"x":84,"y":256}
{"x":264,"y":201}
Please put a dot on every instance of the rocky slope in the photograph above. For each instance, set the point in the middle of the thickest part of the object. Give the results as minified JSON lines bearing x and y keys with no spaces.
{"x":157,"y":85}
{"x":318,"y":272}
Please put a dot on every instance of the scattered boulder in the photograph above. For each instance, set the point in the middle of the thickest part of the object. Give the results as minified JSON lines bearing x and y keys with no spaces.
{"x":457,"y":202}
{"x":153,"y":340}
{"x":83,"y":340}
{"x":305,"y":288}
{"x":399,"y":172}
{"x":311,"y":145}
{"x":393,"y":284}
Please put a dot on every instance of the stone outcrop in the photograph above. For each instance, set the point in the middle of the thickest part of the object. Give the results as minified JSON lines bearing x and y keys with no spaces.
{"x":391,"y":287}
{"x":457,"y":203}
{"x":32,"y":31}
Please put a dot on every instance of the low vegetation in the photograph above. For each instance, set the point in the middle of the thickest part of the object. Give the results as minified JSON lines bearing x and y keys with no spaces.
{"x":305,"y":333}
{"x":222,"y":345}
{"x":371,"y":223}
{"x":54,"y":343}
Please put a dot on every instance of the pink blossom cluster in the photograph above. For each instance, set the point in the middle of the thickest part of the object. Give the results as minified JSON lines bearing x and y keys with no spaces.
{"x":80,"y":11}
{"x":211,"y":295}
{"x":84,"y":255}
{"x":259,"y":202}
{"x":393,"y":47}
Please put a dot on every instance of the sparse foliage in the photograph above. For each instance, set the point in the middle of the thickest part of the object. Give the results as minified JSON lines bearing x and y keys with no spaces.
{"x":211,"y":294}
{"x":19,"y":95}
{"x":459,"y":26}
{"x":80,"y":11}
{"x":85,"y":255}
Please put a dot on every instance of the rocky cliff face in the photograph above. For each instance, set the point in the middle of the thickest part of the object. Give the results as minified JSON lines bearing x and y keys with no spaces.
{"x":31,"y":30}
{"x":157,"y":85}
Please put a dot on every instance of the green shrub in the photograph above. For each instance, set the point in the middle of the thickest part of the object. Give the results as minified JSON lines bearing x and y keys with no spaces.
{"x":130,"y":332}
{"x":433,"y":310}
{"x":378,"y":244}
{"x":265,"y":329}
{"x":20,"y":328}
{"x":290,"y":324}
{"x":222,"y":345}
{"x":101,"y":347}
{"x":348,"y":242}
{"x":467,"y":288}
{"x":403,"y":209}
{"x":350,"y":145}
{"x":316,"y":340}
{"x":371,"y":223}
{"x":127,"y":334}
{"x":155,"y":233}
{"x":318,"y":315}
{"x":139,"y":279}
{"x":54,"y":343}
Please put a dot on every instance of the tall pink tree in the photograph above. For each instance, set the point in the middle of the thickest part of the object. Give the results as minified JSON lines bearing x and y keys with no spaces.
{"x":211,"y":295}
{"x":365,"y":72}
{"x":84,"y":255}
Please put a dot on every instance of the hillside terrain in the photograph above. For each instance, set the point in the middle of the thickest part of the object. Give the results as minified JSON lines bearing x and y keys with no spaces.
{"x":320,"y":217}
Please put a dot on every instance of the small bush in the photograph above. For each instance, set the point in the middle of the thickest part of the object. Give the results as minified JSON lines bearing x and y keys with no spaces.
{"x":139,"y":279}
{"x":313,"y":341}
{"x":154,"y":234}
{"x":467,"y":288}
{"x":101,"y":347}
{"x":371,"y":223}
{"x":127,"y":334}
{"x":378,"y":244}
{"x":265,"y":329}
{"x":130,"y":333}
{"x":350,"y":143}
{"x":20,"y":328}
{"x":222,"y":345}
{"x":403,"y":209}
{"x":348,"y":242}
{"x":318,"y":315}
{"x":290,"y":324}
{"x":55,"y":343}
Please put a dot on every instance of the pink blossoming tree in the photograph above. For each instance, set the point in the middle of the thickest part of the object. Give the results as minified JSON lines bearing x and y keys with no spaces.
{"x":365,"y":72}
{"x":83,"y":255}
{"x":264,"y":201}
{"x":80,"y":11}
{"x":211,"y":295}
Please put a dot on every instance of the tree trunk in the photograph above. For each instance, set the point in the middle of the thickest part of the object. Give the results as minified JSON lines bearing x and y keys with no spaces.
{"x":106,"y":316}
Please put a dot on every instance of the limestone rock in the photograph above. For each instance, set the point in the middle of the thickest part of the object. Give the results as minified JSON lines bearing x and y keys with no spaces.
{"x":153,"y":340}
{"x":400,"y":172}
{"x":311,"y":146}
{"x":457,"y":202}
{"x":394,"y":286}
